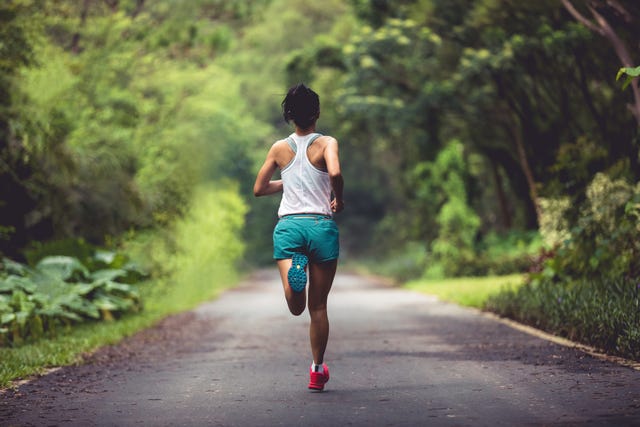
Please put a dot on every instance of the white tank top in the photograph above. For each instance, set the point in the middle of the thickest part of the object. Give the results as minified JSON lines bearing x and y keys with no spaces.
{"x":306,"y":189}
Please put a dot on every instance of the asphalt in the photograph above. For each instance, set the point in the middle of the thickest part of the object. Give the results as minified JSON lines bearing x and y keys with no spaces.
{"x":397,"y":358}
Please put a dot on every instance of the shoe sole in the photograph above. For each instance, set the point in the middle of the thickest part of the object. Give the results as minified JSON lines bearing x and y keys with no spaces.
{"x":296,"y":276}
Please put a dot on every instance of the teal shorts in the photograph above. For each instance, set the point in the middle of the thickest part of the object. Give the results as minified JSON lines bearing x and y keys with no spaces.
{"x":316,"y":236}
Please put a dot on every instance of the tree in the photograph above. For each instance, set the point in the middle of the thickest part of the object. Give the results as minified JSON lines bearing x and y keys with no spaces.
{"x":16,"y":165}
{"x":603,"y":13}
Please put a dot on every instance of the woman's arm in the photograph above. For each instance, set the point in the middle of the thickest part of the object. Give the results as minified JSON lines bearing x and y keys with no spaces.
{"x":264,"y":186}
{"x":332,"y":160}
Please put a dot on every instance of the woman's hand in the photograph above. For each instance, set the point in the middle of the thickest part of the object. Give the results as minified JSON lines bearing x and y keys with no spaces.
{"x":337,"y":205}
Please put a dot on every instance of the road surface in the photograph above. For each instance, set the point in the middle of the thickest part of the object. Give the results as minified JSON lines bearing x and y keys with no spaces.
{"x":397,"y":358}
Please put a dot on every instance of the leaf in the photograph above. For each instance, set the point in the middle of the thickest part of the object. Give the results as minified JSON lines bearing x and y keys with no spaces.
{"x":110,"y":259}
{"x":4,"y":304}
{"x":62,"y":267}
{"x":112,"y":303}
{"x":134,"y":273}
{"x":630,"y":72}
{"x":57,"y":311}
{"x":7,"y":318}
{"x":21,"y":303}
{"x":108,"y":274}
{"x":13,"y":267}
{"x":106,"y":303}
{"x":106,"y":257}
{"x":85,"y":308}
{"x":13,"y":283}
{"x":22,"y":317}
{"x":122,"y":287}
{"x":85,"y":288}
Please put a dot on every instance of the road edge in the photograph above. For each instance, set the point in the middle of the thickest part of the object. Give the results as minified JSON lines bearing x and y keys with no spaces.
{"x":538,"y":333}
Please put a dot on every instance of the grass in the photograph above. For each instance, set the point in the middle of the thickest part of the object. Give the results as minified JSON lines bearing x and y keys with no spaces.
{"x":69,"y":346}
{"x":466,"y":291}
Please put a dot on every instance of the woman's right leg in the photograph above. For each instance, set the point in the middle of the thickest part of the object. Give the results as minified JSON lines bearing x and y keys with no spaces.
{"x":320,"y":280}
{"x":295,"y":300}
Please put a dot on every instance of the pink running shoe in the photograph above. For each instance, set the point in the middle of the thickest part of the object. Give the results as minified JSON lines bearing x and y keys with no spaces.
{"x":318,"y":379}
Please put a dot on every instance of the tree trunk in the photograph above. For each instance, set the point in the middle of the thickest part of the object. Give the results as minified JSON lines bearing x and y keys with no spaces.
{"x":138,"y":9}
{"x":113,"y":5}
{"x":526,"y":169}
{"x":75,"y":40}
{"x":502,"y":199}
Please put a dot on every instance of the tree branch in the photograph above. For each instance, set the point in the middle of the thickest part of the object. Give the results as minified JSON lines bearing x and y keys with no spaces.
{"x":581,"y":18}
{"x":605,"y":30}
{"x":615,"y":5}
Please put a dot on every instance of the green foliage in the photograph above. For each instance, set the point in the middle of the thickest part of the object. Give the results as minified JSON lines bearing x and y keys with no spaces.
{"x":197,"y":256}
{"x":604,"y":243}
{"x":441,"y":184}
{"x":630,"y":73}
{"x":123,"y":116}
{"x":190,"y":262}
{"x":59,"y":291}
{"x":587,"y":289}
{"x":601,"y":313}
{"x":503,"y":253}
{"x":496,"y":254}
{"x":207,"y":240}
{"x":554,"y":226}
{"x":402,"y":264}
{"x":523,"y":87}
{"x":33,"y":357}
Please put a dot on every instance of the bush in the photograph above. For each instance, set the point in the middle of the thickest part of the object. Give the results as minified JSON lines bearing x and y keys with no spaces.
{"x":197,"y":256}
{"x":496,"y":254}
{"x":587,"y":287}
{"x":61,"y":290}
{"x":602,"y":314}
{"x":604,"y":243}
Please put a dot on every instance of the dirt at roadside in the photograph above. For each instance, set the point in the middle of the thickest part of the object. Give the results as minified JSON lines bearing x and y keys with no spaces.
{"x":166,"y":339}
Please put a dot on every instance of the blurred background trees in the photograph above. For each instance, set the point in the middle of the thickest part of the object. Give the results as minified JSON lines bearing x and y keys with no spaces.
{"x":464,"y":124}
{"x":526,"y":89}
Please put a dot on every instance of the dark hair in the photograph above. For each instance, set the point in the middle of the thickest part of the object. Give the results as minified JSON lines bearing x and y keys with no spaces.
{"x":302,"y":105}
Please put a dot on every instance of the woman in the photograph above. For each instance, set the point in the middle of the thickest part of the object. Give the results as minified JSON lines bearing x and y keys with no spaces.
{"x":306,"y":237}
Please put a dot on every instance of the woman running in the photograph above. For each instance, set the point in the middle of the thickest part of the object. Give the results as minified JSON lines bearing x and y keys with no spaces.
{"x":306,"y":237}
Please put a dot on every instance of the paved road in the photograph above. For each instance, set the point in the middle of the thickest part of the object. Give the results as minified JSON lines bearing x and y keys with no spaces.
{"x":397,"y":359}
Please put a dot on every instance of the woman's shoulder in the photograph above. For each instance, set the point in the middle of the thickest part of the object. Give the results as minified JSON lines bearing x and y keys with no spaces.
{"x":327,"y":139}
{"x":280,"y":144}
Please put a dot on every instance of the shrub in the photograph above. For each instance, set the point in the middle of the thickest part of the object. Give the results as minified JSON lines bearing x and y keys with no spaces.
{"x":602,"y":314}
{"x":197,"y":256}
{"x":60,"y":290}
{"x":587,"y":287}
{"x":604,"y":243}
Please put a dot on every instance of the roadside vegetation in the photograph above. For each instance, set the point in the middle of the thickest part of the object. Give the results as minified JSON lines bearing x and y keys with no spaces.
{"x":480,"y":138}
{"x":55,"y":324}
{"x":587,"y":288}
{"x":467,"y":291}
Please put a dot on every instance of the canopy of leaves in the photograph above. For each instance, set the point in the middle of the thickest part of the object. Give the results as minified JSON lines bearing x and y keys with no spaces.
{"x":117,"y":110}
